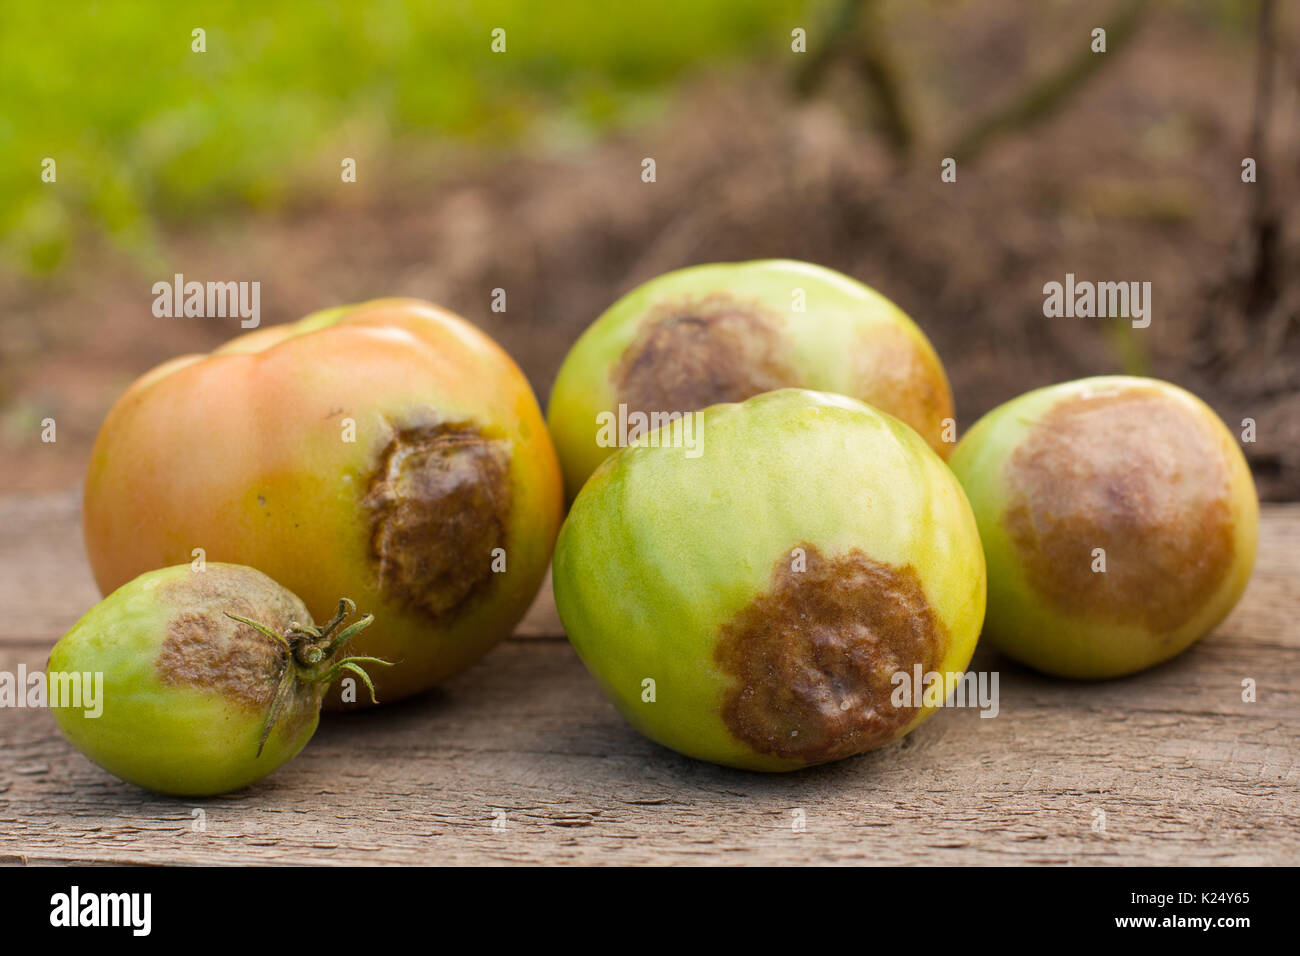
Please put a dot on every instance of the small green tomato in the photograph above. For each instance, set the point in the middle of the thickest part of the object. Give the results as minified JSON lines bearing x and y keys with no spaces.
{"x":1119,"y":521}
{"x":753,"y":596}
{"x":211,"y":678}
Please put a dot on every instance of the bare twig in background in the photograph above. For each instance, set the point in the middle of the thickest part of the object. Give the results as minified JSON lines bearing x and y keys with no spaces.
{"x":1044,"y":97}
{"x":1249,"y":331}
{"x":855,"y":38}
{"x":1264,"y":228}
{"x":835,"y":35}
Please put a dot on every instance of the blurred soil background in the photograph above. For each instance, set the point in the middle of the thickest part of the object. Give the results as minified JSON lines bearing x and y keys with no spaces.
{"x":522,"y":171}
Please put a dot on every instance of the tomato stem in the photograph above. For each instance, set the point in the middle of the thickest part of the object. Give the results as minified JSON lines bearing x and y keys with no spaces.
{"x":308,"y":657}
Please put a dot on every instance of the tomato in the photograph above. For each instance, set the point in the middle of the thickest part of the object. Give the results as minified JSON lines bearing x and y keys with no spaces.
{"x":727,"y":331}
{"x":1119,"y":520}
{"x":777,"y":591}
{"x":203,"y":681}
{"x":388,"y":451}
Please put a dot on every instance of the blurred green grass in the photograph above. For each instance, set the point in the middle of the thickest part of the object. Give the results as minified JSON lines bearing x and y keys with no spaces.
{"x":143,"y":129}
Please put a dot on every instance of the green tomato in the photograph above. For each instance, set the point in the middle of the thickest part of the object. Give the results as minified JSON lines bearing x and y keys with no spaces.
{"x":211,"y":678}
{"x":754,"y":604}
{"x":1119,"y":522}
{"x":725,"y":332}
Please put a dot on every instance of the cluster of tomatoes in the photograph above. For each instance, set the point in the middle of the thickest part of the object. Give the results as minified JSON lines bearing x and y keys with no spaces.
{"x":747,"y":599}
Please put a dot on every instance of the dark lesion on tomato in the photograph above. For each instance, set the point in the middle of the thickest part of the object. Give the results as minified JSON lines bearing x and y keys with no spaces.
{"x":213,"y":653}
{"x":439,"y":502}
{"x":813,"y":658}
{"x":1138,"y":476}
{"x":692,"y":353}
{"x":206,"y":649}
{"x":896,"y":372}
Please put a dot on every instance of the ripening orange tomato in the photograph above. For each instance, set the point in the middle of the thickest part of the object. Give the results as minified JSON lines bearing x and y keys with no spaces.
{"x":387,"y":452}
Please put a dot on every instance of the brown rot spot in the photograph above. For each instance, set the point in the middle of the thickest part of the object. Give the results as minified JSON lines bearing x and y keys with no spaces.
{"x":205,"y":649}
{"x":234,"y":588}
{"x":814,"y":657}
{"x":692,"y":354}
{"x":210,"y":651}
{"x":438,"y":505}
{"x":1139,"y":476}
{"x":897,"y":374}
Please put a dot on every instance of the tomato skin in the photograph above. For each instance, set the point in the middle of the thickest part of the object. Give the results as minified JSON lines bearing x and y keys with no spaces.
{"x":191,"y":730}
{"x":726,"y":331}
{"x":1131,"y":469}
{"x":692,"y":548}
{"x":245,"y":453}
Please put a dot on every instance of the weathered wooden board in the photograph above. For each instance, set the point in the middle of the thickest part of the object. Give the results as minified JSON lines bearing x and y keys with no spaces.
{"x":521,"y":760}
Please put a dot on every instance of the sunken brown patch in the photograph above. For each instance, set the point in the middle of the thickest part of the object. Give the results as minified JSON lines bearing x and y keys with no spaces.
{"x":813,"y":658}
{"x":898,"y":375}
{"x":236,"y":661}
{"x":208,"y":650}
{"x":438,"y":503}
{"x":689,"y":355}
{"x":1138,"y":475}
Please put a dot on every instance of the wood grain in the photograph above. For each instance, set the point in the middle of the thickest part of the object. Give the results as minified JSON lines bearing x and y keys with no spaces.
{"x":521,"y":760}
